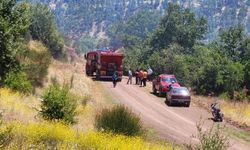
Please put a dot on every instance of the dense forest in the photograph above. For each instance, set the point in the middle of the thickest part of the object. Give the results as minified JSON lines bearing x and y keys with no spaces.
{"x":220,"y":67}
{"x":83,"y":20}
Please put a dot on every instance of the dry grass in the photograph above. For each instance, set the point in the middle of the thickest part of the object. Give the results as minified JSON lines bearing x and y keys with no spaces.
{"x":90,"y":95}
{"x":36,"y":46}
{"x":16,"y":106}
{"x":238,"y":113}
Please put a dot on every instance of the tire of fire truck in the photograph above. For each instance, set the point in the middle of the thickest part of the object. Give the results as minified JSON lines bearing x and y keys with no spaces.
{"x":97,"y":75}
{"x":187,"y":105}
{"x":87,"y":73}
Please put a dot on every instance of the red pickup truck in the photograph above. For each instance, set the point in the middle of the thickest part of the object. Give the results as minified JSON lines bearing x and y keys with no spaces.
{"x":162,"y":82}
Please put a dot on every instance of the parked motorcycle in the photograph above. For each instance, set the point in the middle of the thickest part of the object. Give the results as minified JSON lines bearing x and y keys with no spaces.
{"x":216,"y":112}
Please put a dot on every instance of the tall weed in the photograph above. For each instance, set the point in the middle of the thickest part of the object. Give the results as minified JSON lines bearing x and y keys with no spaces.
{"x":212,"y":139}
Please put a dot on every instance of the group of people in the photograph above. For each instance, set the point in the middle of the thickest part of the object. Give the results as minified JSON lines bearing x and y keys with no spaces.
{"x":141,"y":76}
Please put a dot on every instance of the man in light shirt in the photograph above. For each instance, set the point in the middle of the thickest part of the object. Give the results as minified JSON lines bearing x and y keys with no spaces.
{"x":130,"y":76}
{"x":150,"y":73}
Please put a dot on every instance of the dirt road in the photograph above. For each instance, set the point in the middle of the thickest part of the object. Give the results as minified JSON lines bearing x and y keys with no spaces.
{"x":173,"y":123}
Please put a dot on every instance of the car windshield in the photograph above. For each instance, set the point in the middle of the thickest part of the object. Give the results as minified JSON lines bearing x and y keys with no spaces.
{"x":169,"y":80}
{"x":181,"y":91}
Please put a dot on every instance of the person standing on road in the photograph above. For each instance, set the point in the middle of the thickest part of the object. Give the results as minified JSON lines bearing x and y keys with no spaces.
{"x":145,"y":75}
{"x":130,"y":76}
{"x":115,"y":78}
{"x":141,"y":77}
{"x":150,"y":73}
{"x":137,"y":77}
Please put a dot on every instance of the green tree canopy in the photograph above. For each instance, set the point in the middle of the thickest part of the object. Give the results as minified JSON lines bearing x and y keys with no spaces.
{"x":43,"y":28}
{"x":14,"y":22}
{"x":135,"y":29}
{"x":231,"y":77}
{"x":178,"y":26}
{"x":247,"y":75}
{"x":233,"y":43}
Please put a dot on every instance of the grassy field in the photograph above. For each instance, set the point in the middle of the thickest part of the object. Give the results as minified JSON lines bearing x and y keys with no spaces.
{"x":238,"y":134}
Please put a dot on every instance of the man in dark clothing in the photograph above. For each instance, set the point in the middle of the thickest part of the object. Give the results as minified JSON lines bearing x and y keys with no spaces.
{"x":137,"y":76}
{"x":115,"y":78}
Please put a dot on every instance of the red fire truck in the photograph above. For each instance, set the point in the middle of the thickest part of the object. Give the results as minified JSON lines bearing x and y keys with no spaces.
{"x":103,"y":63}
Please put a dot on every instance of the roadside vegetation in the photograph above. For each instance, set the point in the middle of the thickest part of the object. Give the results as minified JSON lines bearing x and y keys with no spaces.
{"x":210,"y":139}
{"x":236,"y":113}
{"x":119,"y":120}
{"x":20,"y":22}
{"x":47,"y":135}
{"x":23,"y":127}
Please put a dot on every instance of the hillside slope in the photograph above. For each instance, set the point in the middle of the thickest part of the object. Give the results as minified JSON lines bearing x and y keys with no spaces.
{"x":76,"y":18}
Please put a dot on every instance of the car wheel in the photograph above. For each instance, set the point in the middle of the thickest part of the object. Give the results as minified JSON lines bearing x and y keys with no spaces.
{"x":170,"y":102}
{"x":187,"y":105}
{"x":160,"y":93}
{"x":97,"y":75}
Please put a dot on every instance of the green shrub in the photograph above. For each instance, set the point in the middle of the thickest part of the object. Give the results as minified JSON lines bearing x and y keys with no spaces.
{"x":212,"y":139}
{"x":119,"y":120}
{"x":239,"y":96}
{"x":58,"y":105}
{"x":18,"y":81}
{"x":224,"y":96}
